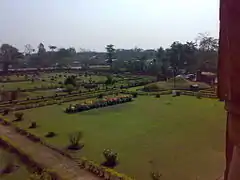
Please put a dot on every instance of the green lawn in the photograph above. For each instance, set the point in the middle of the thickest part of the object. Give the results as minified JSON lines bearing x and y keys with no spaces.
{"x":24,"y":85}
{"x":183,"y":136}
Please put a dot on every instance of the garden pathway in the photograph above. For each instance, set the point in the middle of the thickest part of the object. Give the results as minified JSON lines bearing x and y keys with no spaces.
{"x":64,"y":167}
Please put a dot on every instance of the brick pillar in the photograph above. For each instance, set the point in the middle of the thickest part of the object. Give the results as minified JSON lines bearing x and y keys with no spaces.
{"x":228,"y":82}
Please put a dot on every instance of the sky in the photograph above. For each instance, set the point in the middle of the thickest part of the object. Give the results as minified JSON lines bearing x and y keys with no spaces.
{"x":92,"y":24}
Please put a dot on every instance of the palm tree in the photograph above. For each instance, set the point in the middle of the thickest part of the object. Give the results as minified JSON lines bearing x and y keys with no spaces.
{"x":52,"y":47}
{"x":8,"y":56}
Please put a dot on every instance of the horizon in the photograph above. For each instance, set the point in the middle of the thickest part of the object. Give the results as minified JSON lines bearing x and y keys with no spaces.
{"x":91,"y":25}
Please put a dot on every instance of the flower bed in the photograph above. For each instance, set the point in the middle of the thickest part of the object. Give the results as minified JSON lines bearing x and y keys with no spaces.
{"x":98,"y":104}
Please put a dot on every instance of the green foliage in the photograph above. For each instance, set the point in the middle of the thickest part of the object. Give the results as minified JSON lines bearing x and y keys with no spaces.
{"x":134,"y":94}
{"x":156,"y":176}
{"x":198,"y":95}
{"x":100,"y":96}
{"x":70,"y":88}
{"x":5,"y":112}
{"x":40,"y":176}
{"x":157,"y":95}
{"x":19,"y":116}
{"x":110,"y":53}
{"x":109,"y":80}
{"x":50,"y":134}
{"x":33,"y":125}
{"x":74,"y":140}
{"x":70,"y":80}
{"x":9,"y":55}
{"x":180,"y":83}
{"x":111,"y":158}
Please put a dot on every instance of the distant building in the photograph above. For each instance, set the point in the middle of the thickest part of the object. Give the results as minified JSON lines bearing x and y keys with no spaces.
{"x":207,"y":77}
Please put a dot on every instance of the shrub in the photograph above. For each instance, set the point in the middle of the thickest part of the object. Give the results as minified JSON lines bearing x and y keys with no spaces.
{"x":50,"y":134}
{"x":168,"y":103}
{"x":109,"y":80}
{"x":70,"y":80}
{"x":198,"y":95}
{"x":178,"y":93}
{"x":19,"y":116}
{"x":134,"y":94}
{"x":60,"y":82}
{"x":100,"y":96}
{"x":41,"y":176}
{"x":33,"y":125}
{"x":156,"y":175}
{"x":157,"y":95}
{"x":74,"y":140}
{"x":111,"y":158}
{"x":69,"y":88}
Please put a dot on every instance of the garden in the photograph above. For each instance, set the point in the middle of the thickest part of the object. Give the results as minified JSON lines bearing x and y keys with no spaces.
{"x":163,"y":134}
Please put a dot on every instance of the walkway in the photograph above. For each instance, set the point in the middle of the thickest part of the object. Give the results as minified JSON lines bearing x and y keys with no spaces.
{"x":64,"y":167}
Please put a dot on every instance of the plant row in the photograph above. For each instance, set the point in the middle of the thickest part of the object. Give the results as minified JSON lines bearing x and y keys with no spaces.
{"x":98,"y":104}
{"x":199,"y":94}
{"x":56,"y":101}
{"x":49,"y":98}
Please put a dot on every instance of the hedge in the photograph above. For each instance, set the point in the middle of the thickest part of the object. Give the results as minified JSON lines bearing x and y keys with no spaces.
{"x":98,"y":104}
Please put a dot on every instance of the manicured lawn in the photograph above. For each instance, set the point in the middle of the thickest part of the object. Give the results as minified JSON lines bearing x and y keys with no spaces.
{"x":183,"y":136}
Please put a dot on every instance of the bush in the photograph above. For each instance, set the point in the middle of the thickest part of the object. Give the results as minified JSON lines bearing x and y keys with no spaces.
{"x":155,"y":175}
{"x":157,"y":95}
{"x":60,"y":82}
{"x":5,"y":112}
{"x":19,"y":116}
{"x":178,"y":93}
{"x":70,"y":80}
{"x":134,"y":95}
{"x":198,"y":95}
{"x":100,"y":96}
{"x":33,"y":125}
{"x":74,"y":140}
{"x":111,"y":158}
{"x":69,"y":88}
{"x":50,"y":134}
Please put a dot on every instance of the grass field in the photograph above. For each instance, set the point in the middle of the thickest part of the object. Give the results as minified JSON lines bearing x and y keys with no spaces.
{"x":182,"y":136}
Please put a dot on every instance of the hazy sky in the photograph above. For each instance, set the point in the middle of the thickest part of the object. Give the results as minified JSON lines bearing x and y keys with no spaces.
{"x":92,"y":24}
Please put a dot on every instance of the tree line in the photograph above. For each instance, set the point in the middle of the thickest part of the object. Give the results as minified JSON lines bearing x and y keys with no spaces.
{"x":200,"y":54}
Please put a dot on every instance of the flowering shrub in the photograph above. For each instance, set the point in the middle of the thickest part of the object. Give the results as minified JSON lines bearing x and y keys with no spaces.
{"x":99,"y":103}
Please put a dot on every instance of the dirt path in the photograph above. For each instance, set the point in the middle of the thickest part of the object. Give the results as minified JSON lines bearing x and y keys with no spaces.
{"x":63,"y":166}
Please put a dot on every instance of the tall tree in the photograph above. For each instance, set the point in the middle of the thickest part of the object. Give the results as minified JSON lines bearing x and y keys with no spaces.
{"x":110,"y":53}
{"x":207,"y":43}
{"x":41,"y":49}
{"x":28,"y":49}
{"x":208,"y":52}
{"x":9,"y":56}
